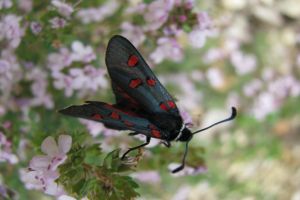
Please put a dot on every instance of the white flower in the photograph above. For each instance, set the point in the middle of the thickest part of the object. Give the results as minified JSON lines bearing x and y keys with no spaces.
{"x":243,"y":63}
{"x":82,"y":53}
{"x":167,"y":48}
{"x":42,"y":171}
{"x":215,"y":77}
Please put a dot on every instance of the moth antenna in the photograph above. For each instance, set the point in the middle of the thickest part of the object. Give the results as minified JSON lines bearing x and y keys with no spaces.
{"x":183,"y":159}
{"x":233,"y":115}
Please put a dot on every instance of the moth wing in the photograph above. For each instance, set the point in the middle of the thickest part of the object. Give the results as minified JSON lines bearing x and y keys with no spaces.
{"x":129,"y":71}
{"x":113,"y":117}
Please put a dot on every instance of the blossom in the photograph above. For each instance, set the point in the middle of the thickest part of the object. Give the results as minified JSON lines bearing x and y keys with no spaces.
{"x":167,"y":48}
{"x":42,"y":171}
{"x":96,"y":128}
{"x":97,"y":14}
{"x":10,"y":30}
{"x":243,"y":63}
{"x":215,"y":77}
{"x":63,"y":8}
{"x":5,"y":4}
{"x":151,"y":177}
{"x":82,"y":53}
{"x":133,"y":33}
{"x":157,"y":13}
{"x":35,"y":27}
{"x":6,"y":154}
{"x":57,"y":22}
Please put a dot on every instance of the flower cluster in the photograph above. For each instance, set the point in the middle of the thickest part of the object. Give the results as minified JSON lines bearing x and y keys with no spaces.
{"x":6,"y":154}
{"x":42,"y":171}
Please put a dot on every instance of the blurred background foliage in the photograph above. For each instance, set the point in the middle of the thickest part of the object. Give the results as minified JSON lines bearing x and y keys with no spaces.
{"x":211,"y":55}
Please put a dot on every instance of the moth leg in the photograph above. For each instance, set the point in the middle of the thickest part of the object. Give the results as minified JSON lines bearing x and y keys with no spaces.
{"x":137,"y":147}
{"x":166,"y":143}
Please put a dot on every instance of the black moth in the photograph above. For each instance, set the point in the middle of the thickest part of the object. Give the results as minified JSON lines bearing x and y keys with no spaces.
{"x":143,"y":105}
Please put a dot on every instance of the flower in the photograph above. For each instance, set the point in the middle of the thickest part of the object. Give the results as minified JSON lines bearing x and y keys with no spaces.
{"x":10,"y":30}
{"x":57,"y":22}
{"x":63,"y":8}
{"x":42,"y":171}
{"x":167,"y":48}
{"x":35,"y":27}
{"x":98,"y":14}
{"x":243,"y":63}
{"x":82,"y":53}
{"x":6,"y":154}
{"x":215,"y":77}
{"x":157,"y":13}
{"x":5,"y":4}
{"x":133,"y":33}
{"x":151,"y":177}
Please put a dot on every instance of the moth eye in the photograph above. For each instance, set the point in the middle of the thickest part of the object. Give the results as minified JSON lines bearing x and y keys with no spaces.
{"x":115,"y":115}
{"x":97,"y":116}
{"x":151,"y":81}
{"x":134,"y":83}
{"x":132,"y":61}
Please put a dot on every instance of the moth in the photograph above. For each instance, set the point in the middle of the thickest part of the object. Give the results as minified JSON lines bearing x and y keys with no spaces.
{"x":143,"y":105}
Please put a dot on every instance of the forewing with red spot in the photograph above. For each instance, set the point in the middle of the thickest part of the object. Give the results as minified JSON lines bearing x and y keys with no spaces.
{"x":115,"y":118}
{"x":129,"y":71}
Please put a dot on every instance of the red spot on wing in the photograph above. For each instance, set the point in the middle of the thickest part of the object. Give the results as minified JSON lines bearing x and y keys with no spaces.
{"x":134,"y":83}
{"x":115,"y":115}
{"x":97,"y":117}
{"x":171,"y":104}
{"x":155,"y":133}
{"x":163,"y":106}
{"x":151,"y":81}
{"x":132,"y":61}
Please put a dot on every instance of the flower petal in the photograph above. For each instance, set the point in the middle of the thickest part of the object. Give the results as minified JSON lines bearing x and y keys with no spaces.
{"x":49,"y":146}
{"x":39,"y":162}
{"x":64,"y":143}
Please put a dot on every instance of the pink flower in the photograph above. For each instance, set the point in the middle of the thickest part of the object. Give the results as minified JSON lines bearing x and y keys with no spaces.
{"x":35,"y":27}
{"x":157,"y":13}
{"x":98,"y":14}
{"x":96,"y":128}
{"x":82,"y":53}
{"x":151,"y":177}
{"x":215,"y":78}
{"x":133,"y":33}
{"x":63,"y":8}
{"x":167,"y":48}
{"x":60,"y":60}
{"x":251,"y":89}
{"x":243,"y":63}
{"x":42,"y":171}
{"x":5,"y":4}
{"x":57,"y":22}
{"x":264,"y":104}
{"x":10,"y":30}
{"x":6,"y":154}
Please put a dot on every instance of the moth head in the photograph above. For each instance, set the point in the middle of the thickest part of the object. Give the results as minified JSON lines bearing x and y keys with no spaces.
{"x":186,"y":135}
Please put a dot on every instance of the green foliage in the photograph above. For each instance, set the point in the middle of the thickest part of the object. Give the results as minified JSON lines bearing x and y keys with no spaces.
{"x":88,"y":172}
